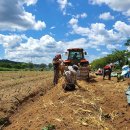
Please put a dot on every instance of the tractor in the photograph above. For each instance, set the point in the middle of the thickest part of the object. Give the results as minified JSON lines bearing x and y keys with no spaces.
{"x":76,"y":56}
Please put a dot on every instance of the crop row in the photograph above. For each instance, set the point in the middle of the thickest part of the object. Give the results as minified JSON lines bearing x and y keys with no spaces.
{"x":12,"y":75}
{"x":12,"y":93}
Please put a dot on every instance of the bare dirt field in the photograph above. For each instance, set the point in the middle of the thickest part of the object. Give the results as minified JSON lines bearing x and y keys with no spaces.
{"x":17,"y":87}
{"x":99,"y":105}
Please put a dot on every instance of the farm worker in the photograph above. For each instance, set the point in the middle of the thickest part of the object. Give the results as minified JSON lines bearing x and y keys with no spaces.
{"x":125,"y":71}
{"x":107,"y":70}
{"x":56,"y":62}
{"x":70,"y":78}
{"x":75,"y":56}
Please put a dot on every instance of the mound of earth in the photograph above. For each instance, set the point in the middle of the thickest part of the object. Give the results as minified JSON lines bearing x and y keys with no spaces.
{"x":99,"y":104}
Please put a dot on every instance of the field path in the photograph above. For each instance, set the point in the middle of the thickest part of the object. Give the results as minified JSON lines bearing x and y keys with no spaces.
{"x":100,"y":104}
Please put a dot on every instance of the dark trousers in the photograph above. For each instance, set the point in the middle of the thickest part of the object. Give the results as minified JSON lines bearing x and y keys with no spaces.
{"x":107,"y":72}
{"x":56,"y":76}
{"x":68,"y":87}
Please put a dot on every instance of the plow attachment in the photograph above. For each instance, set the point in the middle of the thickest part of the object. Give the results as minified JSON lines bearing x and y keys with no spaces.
{"x":84,"y":73}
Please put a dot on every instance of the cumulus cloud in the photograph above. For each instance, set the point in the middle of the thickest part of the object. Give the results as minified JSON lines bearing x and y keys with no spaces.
{"x":83,"y":15}
{"x":28,"y":47}
{"x":10,"y":41}
{"x":123,"y":28}
{"x":63,"y":5}
{"x":42,"y":50}
{"x":106,"y":16}
{"x":98,"y":35}
{"x":116,"y":5}
{"x":105,"y":53}
{"x":112,"y":47}
{"x":30,"y":2}
{"x":73,"y":21}
{"x":14,"y":17}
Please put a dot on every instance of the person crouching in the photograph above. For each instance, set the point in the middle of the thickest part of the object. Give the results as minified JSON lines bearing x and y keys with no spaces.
{"x":70,"y":80}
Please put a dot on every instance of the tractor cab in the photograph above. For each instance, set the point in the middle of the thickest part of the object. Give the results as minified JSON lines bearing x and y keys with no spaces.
{"x":75,"y":56}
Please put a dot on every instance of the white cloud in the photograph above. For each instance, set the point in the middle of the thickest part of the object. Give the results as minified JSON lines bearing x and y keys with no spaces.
{"x":98,"y":49}
{"x":128,"y":48}
{"x":63,"y":5}
{"x":52,"y":27}
{"x":106,"y":16}
{"x":98,"y":35}
{"x":73,"y":21}
{"x":42,"y":50}
{"x":39,"y":25}
{"x":82,"y":43}
{"x":30,"y":2}
{"x":116,"y":5}
{"x":22,"y":48}
{"x":14,"y":17}
{"x":105,"y":53}
{"x":9,"y":41}
{"x":127,"y":13}
{"x":112,"y":47}
{"x":83,"y":15}
{"x":123,"y":28}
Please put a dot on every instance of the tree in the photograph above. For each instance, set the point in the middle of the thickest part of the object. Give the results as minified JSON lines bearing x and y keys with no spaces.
{"x":50,"y":65}
{"x":119,"y":56}
{"x":127,"y":43}
{"x":116,"y":57}
{"x":43,"y":66}
{"x":30,"y":65}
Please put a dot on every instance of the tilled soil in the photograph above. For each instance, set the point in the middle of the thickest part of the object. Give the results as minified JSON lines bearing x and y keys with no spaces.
{"x":98,"y":105}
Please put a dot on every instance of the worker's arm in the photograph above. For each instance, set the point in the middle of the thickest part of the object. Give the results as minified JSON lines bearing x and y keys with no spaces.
{"x":55,"y":61}
{"x":76,"y":83}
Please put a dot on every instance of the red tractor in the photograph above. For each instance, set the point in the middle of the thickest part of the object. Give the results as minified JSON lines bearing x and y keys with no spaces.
{"x":76,"y":56}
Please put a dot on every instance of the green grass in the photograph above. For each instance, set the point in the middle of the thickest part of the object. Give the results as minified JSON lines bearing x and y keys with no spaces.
{"x":8,"y":69}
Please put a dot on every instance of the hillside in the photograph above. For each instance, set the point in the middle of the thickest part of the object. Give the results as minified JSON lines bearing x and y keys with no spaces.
{"x":13,"y":65}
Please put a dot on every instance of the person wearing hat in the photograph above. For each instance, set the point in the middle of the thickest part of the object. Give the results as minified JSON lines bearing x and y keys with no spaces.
{"x":107,"y":70}
{"x":56,"y":62}
{"x":70,"y":78}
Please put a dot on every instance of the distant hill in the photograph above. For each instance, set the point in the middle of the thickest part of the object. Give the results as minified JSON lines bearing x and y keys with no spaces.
{"x":4,"y":63}
{"x":9,"y":61}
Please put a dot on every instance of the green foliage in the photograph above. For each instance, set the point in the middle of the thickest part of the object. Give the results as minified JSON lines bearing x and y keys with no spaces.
{"x":43,"y":66}
{"x":30,"y":65}
{"x":8,"y":69}
{"x":7,"y":65}
{"x":50,"y":65}
{"x":127,"y":43}
{"x":49,"y":127}
{"x":118,"y":57}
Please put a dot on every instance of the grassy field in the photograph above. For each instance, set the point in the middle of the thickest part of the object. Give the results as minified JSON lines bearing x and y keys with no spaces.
{"x":18,"y":86}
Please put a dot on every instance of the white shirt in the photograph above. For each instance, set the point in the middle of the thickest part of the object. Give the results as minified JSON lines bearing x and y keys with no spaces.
{"x":70,"y":77}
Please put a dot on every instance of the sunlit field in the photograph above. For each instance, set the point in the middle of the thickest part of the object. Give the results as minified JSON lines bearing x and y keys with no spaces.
{"x":17,"y":86}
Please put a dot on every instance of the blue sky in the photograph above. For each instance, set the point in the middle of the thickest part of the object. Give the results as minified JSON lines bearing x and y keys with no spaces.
{"x":36,"y":30}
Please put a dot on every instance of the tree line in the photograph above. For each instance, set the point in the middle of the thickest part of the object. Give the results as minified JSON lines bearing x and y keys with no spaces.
{"x":119,"y":57}
{"x":12,"y":65}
